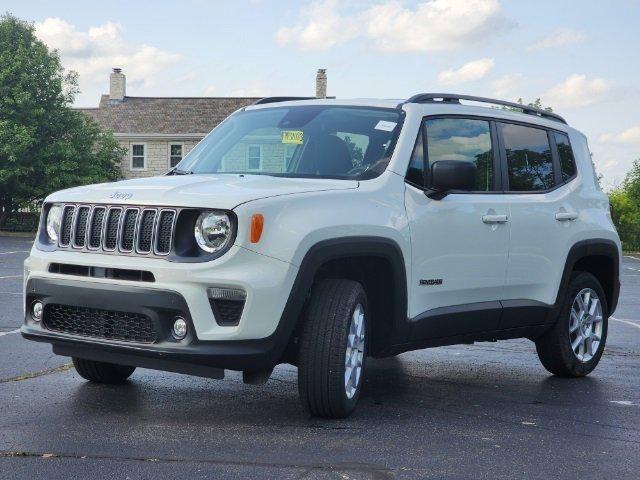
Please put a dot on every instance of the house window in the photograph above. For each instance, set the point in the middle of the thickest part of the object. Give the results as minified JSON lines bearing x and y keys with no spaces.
{"x":175,"y":154}
{"x":254,"y":157}
{"x":138,"y":156}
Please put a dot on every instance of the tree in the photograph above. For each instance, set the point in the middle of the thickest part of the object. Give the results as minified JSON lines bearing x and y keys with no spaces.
{"x":44,"y":144}
{"x":625,"y":208}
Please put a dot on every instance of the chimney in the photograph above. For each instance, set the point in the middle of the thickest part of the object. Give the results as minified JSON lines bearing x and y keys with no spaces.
{"x":117,"y":85}
{"x":321,"y":83}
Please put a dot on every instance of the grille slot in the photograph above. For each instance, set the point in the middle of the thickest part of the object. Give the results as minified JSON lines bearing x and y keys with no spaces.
{"x":145,"y":235}
{"x":111,"y":230}
{"x":129,"y":230}
{"x":165,"y":231}
{"x":67,"y":224}
{"x":115,"y":229}
{"x":97,"y":221}
{"x":80,"y":232}
{"x":97,"y":323}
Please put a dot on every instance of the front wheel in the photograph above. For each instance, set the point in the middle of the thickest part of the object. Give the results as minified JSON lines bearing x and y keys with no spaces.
{"x":102,"y":372}
{"x":574,"y":346}
{"x":333,"y":349}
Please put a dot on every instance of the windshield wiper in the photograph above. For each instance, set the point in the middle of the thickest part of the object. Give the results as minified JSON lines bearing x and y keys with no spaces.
{"x":177,"y":171}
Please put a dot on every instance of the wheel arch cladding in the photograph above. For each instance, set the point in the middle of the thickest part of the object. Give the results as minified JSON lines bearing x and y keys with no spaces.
{"x":601,"y":258}
{"x":375,"y":262}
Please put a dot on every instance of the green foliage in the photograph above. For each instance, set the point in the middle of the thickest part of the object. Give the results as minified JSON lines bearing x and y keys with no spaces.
{"x":537,"y":103}
{"x":44,"y":144}
{"x":625,"y":209}
{"x":356,"y":152}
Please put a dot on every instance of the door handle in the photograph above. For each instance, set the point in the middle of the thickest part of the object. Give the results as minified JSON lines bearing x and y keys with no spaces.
{"x":495,"y":219}
{"x":566,"y":216}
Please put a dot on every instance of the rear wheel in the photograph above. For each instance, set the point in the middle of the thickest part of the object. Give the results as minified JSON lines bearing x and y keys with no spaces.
{"x":574,"y":346}
{"x":333,"y":349}
{"x":101,"y":372}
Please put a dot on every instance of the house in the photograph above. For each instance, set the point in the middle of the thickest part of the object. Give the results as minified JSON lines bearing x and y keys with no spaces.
{"x":159,"y":131}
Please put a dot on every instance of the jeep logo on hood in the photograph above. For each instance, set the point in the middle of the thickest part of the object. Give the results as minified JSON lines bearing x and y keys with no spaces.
{"x":121,"y":195}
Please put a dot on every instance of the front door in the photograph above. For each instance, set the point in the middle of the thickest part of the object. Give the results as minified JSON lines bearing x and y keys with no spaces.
{"x":460,"y":242}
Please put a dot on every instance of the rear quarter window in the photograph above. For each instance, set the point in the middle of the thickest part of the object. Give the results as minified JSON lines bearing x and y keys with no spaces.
{"x":565,"y":154}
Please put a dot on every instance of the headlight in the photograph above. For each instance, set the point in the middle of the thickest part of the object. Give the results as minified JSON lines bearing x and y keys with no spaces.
{"x":213,"y":231}
{"x":54,"y":219}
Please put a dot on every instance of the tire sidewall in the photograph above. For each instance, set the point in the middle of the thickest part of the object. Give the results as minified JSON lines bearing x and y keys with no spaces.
{"x":341,"y":345}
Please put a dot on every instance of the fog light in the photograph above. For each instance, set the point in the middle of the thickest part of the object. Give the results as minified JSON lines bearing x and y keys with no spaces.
{"x":179,"y":328}
{"x":36,"y":311}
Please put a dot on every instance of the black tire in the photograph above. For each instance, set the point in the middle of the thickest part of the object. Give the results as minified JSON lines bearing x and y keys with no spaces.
{"x":323,"y":342}
{"x":101,"y":372}
{"x":554,"y":347}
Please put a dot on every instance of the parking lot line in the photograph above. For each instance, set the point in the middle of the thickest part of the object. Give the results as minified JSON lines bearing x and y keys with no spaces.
{"x":628,"y":322}
{"x":631,"y":256}
{"x":17,"y":251}
{"x":10,"y":276}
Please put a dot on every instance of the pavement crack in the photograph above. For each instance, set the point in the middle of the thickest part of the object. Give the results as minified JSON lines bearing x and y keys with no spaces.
{"x":376,"y":472}
{"x":27,"y":376}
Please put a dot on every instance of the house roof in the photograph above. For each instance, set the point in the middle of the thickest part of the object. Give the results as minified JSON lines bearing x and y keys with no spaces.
{"x":165,"y":115}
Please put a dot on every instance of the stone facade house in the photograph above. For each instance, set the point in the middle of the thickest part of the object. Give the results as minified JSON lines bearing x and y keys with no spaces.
{"x":158,"y":132}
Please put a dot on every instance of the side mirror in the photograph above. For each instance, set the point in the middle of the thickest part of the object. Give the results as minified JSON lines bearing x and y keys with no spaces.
{"x":447,"y":175}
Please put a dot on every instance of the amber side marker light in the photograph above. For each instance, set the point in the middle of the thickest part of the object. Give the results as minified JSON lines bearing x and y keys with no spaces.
{"x":257,"y":224}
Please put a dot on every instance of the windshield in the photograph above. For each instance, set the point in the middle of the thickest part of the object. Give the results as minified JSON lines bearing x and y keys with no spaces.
{"x":302,"y":141}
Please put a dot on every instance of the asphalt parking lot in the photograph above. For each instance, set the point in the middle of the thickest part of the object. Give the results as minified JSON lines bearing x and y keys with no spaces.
{"x":487,"y":410}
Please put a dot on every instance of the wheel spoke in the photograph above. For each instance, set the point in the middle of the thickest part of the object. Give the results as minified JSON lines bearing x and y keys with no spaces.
{"x":594,"y":306}
{"x":575,"y":321}
{"x":576,"y":343}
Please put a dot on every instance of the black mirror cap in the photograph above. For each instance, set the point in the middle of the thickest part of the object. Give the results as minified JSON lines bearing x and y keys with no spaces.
{"x":449,"y":175}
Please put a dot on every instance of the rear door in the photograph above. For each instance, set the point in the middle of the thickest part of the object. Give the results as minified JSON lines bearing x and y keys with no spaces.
{"x":538,"y":171}
{"x":460,"y":242}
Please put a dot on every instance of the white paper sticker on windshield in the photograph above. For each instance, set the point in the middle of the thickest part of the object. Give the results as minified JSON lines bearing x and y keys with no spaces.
{"x":386,"y":126}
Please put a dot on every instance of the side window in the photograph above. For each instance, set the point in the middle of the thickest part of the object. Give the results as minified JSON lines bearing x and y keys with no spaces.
{"x":529,"y":160}
{"x":464,"y":140}
{"x":415,"y":172}
{"x":565,"y":154}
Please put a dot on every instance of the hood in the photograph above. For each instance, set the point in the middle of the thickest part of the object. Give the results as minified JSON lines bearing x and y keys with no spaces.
{"x":225,"y":191}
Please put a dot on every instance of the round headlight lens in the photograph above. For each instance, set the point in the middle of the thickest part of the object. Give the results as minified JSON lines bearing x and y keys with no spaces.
{"x":213,"y":231}
{"x":54,"y":219}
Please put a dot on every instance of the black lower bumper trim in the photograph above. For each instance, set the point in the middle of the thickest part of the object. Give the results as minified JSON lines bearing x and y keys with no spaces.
{"x":193,"y":356}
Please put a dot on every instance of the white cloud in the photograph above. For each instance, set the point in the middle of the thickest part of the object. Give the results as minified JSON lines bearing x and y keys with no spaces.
{"x":253,"y":89}
{"x":94,"y":52}
{"x":559,"y":38}
{"x":321,"y":27}
{"x":433,"y":25}
{"x":506,"y":84}
{"x":210,"y":91}
{"x":629,"y":136}
{"x":578,"y":91}
{"x":469,"y":72}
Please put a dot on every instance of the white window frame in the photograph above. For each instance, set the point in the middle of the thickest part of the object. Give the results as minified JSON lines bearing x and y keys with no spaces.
{"x":144,"y":157}
{"x":169,"y":145}
{"x":259,"y":147}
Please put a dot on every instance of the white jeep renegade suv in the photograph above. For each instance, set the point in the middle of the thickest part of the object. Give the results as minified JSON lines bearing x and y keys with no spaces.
{"x":321,"y":232}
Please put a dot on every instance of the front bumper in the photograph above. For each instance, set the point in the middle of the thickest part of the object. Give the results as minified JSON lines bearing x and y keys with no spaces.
{"x":191,"y":355}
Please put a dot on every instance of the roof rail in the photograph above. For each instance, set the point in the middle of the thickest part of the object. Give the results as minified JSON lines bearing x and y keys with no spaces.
{"x":262,"y":101}
{"x":455,"y":98}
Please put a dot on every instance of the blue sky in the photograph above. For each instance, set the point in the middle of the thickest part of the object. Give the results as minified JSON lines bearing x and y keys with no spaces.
{"x":579,"y":56}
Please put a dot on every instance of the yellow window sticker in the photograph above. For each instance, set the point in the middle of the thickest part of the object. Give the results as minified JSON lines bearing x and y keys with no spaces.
{"x":292,"y":136}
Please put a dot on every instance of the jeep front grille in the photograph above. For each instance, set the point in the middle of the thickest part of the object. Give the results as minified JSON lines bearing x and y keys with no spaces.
{"x":145,"y":231}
